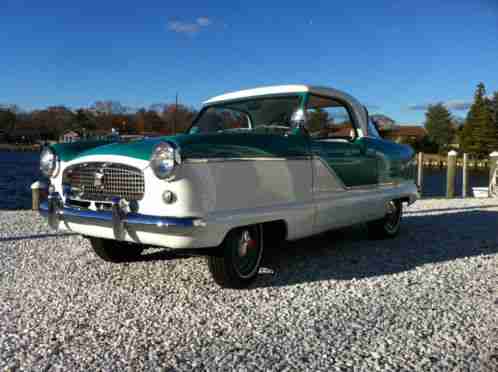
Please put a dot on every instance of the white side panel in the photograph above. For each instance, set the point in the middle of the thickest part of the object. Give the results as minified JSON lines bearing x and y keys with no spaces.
{"x":235,"y":193}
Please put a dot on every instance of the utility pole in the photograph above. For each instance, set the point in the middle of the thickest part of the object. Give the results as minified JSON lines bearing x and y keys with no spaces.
{"x":174,"y":116}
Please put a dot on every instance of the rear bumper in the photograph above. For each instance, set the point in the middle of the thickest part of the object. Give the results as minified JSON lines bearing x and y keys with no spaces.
{"x":123,"y":225}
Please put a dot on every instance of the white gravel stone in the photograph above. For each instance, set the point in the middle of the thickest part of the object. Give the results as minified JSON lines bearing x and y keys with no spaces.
{"x":425,"y":300}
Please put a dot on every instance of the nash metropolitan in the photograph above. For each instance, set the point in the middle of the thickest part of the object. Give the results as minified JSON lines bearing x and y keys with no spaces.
{"x":281,"y":162}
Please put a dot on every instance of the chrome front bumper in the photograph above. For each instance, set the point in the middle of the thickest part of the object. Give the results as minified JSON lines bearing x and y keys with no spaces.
{"x":117,"y":219}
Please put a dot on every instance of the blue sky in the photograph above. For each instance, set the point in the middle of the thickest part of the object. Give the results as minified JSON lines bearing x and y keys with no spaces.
{"x":395,"y":56}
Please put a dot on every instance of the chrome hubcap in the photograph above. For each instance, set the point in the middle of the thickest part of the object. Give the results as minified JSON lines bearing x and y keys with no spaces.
{"x":247,"y":254}
{"x":245,"y":242}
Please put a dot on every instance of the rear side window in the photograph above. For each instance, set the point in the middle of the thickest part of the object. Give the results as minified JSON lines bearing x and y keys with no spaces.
{"x":328,"y":118}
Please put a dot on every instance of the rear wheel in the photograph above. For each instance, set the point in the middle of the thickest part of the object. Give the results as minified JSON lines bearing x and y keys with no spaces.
{"x":389,"y":225}
{"x":239,"y":257}
{"x":116,"y":251}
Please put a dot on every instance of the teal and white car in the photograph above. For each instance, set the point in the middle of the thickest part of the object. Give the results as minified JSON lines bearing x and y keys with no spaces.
{"x":280,"y":162}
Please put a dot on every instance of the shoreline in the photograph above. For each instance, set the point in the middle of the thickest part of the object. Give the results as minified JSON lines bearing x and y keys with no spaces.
{"x":6,"y":147}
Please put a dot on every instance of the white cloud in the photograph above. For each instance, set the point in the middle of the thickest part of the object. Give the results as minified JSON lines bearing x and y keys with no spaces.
{"x":183,"y":27}
{"x":189,"y":28}
{"x":419,"y":107}
{"x":204,"y":21}
{"x":456,"y":105}
{"x":372,"y":107}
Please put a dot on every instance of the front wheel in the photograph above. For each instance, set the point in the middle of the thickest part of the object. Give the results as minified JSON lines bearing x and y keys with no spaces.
{"x":389,"y":225}
{"x":239,"y":257}
{"x":116,"y":251}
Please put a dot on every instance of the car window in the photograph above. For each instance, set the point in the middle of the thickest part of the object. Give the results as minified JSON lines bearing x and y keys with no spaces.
{"x":216,"y":119}
{"x":267,"y":114}
{"x":328,"y":118}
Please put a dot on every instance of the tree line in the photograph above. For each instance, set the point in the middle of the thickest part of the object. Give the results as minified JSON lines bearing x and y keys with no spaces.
{"x":49,"y":124}
{"x":477,"y":135}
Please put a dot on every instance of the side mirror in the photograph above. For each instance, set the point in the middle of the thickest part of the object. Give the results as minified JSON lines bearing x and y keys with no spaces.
{"x":299,"y":120}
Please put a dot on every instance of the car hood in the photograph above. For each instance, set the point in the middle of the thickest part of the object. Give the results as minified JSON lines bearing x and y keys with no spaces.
{"x":195,"y":146}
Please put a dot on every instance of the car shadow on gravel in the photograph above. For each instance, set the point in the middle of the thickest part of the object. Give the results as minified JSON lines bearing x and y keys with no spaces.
{"x":494,"y":206}
{"x":348,"y":253}
{"x":35,"y":236}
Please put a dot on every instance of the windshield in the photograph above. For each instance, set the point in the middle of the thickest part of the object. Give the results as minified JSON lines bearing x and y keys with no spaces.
{"x":256,"y":114}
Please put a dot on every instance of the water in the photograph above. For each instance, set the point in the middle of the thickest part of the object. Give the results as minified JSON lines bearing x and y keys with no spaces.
{"x":435,"y":181}
{"x":18,"y":170}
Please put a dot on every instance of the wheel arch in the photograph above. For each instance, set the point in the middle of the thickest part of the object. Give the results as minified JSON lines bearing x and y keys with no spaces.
{"x":275,"y":231}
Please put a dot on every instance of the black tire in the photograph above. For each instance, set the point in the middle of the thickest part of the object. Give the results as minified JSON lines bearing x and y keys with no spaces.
{"x":116,"y":251}
{"x":389,"y":225}
{"x":238,"y":258}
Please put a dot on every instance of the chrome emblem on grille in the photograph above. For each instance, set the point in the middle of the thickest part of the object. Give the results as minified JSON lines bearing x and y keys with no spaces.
{"x":98,"y":180}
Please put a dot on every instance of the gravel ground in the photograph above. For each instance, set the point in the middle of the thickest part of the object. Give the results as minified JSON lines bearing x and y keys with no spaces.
{"x":427,"y":300}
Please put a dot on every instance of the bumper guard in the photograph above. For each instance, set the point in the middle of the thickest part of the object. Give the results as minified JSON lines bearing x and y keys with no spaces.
{"x":118,"y":219}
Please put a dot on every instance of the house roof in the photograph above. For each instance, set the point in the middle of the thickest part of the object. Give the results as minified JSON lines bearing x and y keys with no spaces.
{"x":71,"y":133}
{"x":408,"y":130}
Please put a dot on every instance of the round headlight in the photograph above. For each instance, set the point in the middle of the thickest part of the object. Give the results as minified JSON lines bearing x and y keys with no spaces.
{"x":48,"y":162}
{"x":164,"y":159}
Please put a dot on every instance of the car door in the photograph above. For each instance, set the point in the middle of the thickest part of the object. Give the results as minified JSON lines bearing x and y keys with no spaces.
{"x":345,"y":168}
{"x":351,"y":161}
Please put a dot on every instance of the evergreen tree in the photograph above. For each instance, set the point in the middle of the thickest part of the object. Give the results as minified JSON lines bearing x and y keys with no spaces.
{"x":494,"y":110}
{"x":480,"y":133}
{"x":8,"y":121}
{"x":439,"y":125}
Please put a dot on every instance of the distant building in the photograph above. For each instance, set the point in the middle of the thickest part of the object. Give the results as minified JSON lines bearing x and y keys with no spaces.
{"x":152,"y":134}
{"x":70,"y":136}
{"x":405,"y":133}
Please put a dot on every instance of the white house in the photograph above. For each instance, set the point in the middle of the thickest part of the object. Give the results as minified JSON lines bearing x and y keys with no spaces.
{"x":70,"y":136}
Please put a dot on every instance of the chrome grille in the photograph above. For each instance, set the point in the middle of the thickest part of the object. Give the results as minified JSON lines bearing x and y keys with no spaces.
{"x":103,"y":181}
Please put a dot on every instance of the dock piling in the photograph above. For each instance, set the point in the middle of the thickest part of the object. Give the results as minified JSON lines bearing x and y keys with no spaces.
{"x":451,"y":174}
{"x":465,"y":178}
{"x":37,"y":189}
{"x":420,"y":171}
{"x":493,"y":166}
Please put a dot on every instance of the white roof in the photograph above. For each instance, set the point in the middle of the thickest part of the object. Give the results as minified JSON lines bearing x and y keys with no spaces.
{"x":261,"y":91}
{"x":281,"y":89}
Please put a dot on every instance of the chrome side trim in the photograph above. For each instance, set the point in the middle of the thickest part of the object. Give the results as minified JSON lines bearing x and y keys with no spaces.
{"x":222,"y":160}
